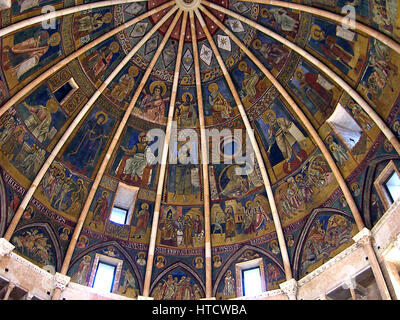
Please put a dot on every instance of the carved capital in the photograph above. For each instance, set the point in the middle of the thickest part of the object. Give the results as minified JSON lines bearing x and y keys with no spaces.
{"x":60,"y":281}
{"x":5,"y":247}
{"x":349,"y":283}
{"x":290,"y":288}
{"x":363,"y":237}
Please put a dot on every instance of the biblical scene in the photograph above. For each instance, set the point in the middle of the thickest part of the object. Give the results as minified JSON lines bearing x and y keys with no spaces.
{"x":85,"y":148}
{"x":250,"y":82}
{"x":178,"y":285}
{"x":281,"y":20}
{"x":385,"y":16}
{"x":121,"y":90}
{"x":345,"y":50}
{"x":35,"y":244}
{"x":271,"y":53}
{"x":135,"y":160}
{"x":153,"y":102}
{"x":227,"y":278}
{"x":327,"y":235}
{"x":82,"y":271}
{"x":91,"y":24}
{"x":315,"y":91}
{"x":100,"y":60}
{"x":287,"y":144}
{"x":19,"y":148}
{"x":63,"y":190}
{"x":186,"y":108}
{"x":240,"y":219}
{"x":181,"y":227}
{"x":27,"y":51}
{"x":42,"y":115}
{"x":380,"y":76}
{"x":304,"y":190}
{"x":219,"y":105}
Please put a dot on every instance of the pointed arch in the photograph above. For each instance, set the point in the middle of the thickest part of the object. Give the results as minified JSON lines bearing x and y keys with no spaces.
{"x":127,"y":258}
{"x":304,"y":233}
{"x":234,"y":258}
{"x":173,"y":267}
{"x":54,"y":239}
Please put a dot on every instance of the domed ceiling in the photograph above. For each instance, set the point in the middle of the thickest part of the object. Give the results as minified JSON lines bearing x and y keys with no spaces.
{"x":91,"y":85}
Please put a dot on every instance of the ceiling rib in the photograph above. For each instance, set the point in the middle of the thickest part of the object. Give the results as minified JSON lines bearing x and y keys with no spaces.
{"x":163,"y":162}
{"x":260,"y":161}
{"x":334,"y":17}
{"x":70,"y":129}
{"x":332,"y":164}
{"x":62,"y":12}
{"x":331,"y":74}
{"x":204,"y":158}
{"x":52,"y":70}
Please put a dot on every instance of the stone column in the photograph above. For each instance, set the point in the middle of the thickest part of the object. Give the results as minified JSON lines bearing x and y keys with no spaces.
{"x":351,"y":285}
{"x":10,"y":288}
{"x":5,"y":247}
{"x":364,"y":238}
{"x":60,"y":282}
{"x":290,"y":288}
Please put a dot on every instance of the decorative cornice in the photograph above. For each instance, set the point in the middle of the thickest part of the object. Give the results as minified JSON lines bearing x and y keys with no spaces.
{"x":348,"y":251}
{"x":60,"y":281}
{"x":30,"y":265}
{"x":363,"y":237}
{"x":5,"y":247}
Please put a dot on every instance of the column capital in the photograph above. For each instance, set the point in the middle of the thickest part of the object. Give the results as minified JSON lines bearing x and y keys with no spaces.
{"x":363,"y":237}
{"x":60,"y":281}
{"x":5,"y":247}
{"x":290,"y":287}
{"x":349,"y":283}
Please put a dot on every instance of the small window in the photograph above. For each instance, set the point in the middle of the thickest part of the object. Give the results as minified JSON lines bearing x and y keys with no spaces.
{"x":65,"y":91}
{"x":124,"y":203}
{"x":252,"y":282}
{"x":393,"y":186}
{"x":345,"y":126}
{"x":104,"y":278}
{"x":250,"y":278}
{"x":119,"y":215}
{"x":387,"y":185}
{"x":105,"y":274}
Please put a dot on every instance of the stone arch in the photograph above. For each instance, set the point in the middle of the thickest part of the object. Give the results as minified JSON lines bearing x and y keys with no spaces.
{"x":234,"y":258}
{"x":304,"y":233}
{"x":174,"y":266}
{"x":54,"y":239}
{"x":123,"y":252}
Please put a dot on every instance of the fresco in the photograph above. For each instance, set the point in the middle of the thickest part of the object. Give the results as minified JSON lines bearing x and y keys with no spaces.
{"x":84,"y":150}
{"x":326,"y":234}
{"x":285,"y":141}
{"x":346,"y":53}
{"x":181,"y":227}
{"x":27,"y":51}
{"x":134,"y":160}
{"x":177,"y":285}
{"x":35,"y":244}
